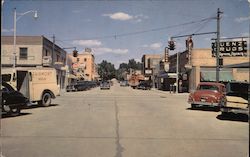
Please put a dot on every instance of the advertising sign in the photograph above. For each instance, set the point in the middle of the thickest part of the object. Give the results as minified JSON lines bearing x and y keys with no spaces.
{"x":231,"y":48}
{"x":148,"y":71}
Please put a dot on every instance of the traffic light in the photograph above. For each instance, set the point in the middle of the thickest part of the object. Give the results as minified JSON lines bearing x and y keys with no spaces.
{"x":220,"y":62}
{"x":75,"y":53}
{"x":171,"y":45}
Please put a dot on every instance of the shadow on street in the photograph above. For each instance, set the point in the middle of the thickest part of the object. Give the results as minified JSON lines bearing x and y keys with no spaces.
{"x":38,"y":106}
{"x":204,"y":109}
{"x":233,"y":117}
{"x":13,"y":116}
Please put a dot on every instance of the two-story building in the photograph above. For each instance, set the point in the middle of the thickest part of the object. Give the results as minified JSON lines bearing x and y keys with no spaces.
{"x":33,"y":51}
{"x":150,"y":63}
{"x":203,"y":68}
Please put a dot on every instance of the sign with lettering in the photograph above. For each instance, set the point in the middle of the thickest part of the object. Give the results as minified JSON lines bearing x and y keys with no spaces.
{"x":148,"y":71}
{"x":230,"y":48}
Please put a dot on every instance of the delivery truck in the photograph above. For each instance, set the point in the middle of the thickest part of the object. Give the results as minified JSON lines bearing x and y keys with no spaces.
{"x":37,"y":84}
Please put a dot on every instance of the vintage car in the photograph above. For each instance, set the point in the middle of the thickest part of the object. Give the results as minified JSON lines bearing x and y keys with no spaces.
{"x":236,"y":98}
{"x":12,"y":101}
{"x":208,"y":94}
{"x":105,"y":85}
{"x":144,"y":85}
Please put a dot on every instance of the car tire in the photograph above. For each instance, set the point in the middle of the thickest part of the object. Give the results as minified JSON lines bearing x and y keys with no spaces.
{"x":46,"y":99}
{"x":15,"y":111}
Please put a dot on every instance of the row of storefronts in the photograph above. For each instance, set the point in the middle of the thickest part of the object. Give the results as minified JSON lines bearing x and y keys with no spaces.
{"x":200,"y":66}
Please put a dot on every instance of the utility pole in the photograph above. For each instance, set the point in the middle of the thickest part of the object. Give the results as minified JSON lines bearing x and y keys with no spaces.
{"x":218,"y":46}
{"x":53,"y":48}
{"x":177,"y":72}
{"x":14,"y":47}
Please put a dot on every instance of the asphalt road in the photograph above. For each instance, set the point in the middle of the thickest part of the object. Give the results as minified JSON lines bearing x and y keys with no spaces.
{"x":123,"y":122}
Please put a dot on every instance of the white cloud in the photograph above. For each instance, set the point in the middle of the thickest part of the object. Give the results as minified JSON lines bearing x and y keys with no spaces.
{"x":119,"y":16}
{"x":154,"y":46}
{"x":125,"y":17}
{"x":7,"y":30}
{"x":87,"y":43}
{"x":105,"y":50}
{"x":242,"y":19}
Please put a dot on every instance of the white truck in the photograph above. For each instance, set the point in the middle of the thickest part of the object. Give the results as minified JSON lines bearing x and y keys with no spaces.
{"x":37,"y":84}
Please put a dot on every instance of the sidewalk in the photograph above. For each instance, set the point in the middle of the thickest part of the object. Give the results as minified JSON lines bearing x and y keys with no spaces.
{"x":168,"y":92}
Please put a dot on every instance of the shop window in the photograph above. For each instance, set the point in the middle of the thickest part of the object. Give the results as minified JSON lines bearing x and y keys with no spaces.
{"x":23,"y":53}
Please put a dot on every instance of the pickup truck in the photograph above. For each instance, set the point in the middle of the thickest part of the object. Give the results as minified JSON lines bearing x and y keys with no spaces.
{"x":237,"y":97}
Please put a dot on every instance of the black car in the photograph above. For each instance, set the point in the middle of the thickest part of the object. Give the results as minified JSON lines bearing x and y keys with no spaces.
{"x":145,"y":85}
{"x":12,"y":100}
{"x":71,"y":88}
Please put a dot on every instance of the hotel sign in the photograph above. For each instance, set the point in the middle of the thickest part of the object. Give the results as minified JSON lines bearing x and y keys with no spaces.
{"x":231,"y":48}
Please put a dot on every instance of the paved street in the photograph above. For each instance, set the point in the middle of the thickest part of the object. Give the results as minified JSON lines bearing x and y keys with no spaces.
{"x":122,"y":122}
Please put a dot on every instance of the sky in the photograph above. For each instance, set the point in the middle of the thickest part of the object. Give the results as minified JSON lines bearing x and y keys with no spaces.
{"x":119,"y":30}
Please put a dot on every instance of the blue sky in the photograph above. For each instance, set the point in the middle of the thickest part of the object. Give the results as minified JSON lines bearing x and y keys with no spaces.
{"x":100,"y":25}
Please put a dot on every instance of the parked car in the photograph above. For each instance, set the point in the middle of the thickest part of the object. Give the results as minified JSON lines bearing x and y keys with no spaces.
{"x":105,"y":85}
{"x":12,"y":100}
{"x":208,"y":94}
{"x":81,"y":86}
{"x":71,"y":88}
{"x":236,"y":98}
{"x":145,"y":85}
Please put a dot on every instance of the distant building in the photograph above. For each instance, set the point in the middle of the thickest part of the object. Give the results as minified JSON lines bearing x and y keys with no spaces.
{"x":203,"y":68}
{"x":83,"y":66}
{"x":34,"y":51}
{"x":150,"y":63}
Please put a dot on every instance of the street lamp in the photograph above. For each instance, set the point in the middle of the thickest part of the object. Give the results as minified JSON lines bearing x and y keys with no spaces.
{"x":17,"y":16}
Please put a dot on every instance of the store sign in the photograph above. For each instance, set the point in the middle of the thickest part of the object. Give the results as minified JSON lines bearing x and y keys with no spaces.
{"x":231,"y":48}
{"x":149,"y":71}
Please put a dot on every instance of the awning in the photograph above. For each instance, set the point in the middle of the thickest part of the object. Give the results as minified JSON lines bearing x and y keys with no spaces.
{"x":211,"y":76}
{"x":167,"y":75}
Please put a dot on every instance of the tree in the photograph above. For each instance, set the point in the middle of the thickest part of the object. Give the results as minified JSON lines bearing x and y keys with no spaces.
{"x":106,"y":70}
{"x":124,"y":67}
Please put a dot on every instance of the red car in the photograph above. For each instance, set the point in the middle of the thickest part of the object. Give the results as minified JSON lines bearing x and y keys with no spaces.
{"x":209,"y":94}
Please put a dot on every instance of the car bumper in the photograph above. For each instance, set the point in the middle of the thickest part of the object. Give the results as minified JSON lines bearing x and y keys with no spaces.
{"x":201,"y":103}
{"x":235,"y":110}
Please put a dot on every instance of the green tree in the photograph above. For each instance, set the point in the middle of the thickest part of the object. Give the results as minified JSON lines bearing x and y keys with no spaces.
{"x":106,"y":70}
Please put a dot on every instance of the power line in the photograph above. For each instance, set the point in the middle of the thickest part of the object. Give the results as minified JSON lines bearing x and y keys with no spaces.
{"x":115,"y":36}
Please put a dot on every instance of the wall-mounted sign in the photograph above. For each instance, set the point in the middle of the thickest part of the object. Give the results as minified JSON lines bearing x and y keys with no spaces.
{"x":148,"y":71}
{"x":231,"y":48}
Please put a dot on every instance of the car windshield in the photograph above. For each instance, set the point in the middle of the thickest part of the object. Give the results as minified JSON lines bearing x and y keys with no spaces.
{"x":208,"y":87}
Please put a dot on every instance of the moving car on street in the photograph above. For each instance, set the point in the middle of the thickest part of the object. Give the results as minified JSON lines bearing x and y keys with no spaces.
{"x":208,"y":94}
{"x":12,"y":100}
{"x":236,"y":98}
{"x":145,"y":85}
{"x":105,"y":85}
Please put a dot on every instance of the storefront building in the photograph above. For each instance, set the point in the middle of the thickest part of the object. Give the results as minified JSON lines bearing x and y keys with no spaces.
{"x":202,"y":68}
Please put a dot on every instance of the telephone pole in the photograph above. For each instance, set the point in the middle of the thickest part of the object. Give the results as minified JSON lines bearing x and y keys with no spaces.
{"x":218,"y":46}
{"x":53,"y":48}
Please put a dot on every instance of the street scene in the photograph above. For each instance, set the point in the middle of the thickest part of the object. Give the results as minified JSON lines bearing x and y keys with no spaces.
{"x":140,"y":78}
{"x":122,"y":122}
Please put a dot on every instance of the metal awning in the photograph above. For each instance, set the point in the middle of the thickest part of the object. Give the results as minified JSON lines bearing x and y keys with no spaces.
{"x":211,"y":76}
